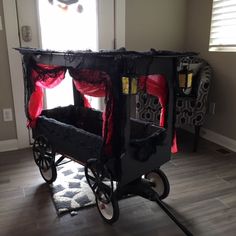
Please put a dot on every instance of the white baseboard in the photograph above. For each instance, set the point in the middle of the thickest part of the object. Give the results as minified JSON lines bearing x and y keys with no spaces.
{"x":215,"y":138}
{"x":219,"y":139}
{"x":8,"y":145}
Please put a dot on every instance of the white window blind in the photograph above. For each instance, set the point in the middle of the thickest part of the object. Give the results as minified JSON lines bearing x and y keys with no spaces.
{"x":223,"y":26}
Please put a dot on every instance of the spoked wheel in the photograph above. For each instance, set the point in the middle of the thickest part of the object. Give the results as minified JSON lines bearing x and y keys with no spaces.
{"x":100,"y":181}
{"x":44,"y":157}
{"x":160,"y":183}
{"x":99,"y":178}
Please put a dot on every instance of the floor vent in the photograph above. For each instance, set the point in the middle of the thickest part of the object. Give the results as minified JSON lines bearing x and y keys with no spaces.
{"x":223,"y":151}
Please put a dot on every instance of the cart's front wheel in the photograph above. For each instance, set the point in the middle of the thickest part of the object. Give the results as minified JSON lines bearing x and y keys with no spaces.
{"x":44,"y":157}
{"x":109,"y":210}
{"x":160,"y":183}
{"x":99,"y":179}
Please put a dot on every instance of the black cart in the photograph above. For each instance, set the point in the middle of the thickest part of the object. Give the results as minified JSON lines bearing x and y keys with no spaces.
{"x":122,"y":155}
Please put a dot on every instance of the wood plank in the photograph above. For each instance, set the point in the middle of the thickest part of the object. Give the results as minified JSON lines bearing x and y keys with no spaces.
{"x":203,"y":197}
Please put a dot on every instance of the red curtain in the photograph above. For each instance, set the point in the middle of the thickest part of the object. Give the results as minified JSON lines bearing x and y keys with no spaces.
{"x":97,"y":84}
{"x":90,"y":90}
{"x":97,"y":90}
{"x":156,"y":85}
{"x":42,"y":76}
{"x":35,"y":105}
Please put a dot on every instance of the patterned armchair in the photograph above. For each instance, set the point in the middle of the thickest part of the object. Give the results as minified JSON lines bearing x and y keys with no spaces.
{"x":190,"y":110}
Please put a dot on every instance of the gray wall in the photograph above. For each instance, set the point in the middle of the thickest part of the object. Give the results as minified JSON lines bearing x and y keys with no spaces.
{"x":7,"y":129}
{"x":223,"y":90}
{"x":152,"y":23}
{"x":159,"y":24}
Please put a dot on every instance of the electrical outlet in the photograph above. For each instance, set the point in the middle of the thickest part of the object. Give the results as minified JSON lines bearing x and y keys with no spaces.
{"x":7,"y":114}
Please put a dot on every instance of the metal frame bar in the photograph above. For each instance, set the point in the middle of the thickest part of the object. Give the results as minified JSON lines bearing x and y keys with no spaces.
{"x":143,"y":188}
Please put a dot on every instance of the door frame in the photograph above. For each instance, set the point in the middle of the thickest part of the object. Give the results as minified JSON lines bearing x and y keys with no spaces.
{"x":16,"y":73}
{"x":110,"y":30}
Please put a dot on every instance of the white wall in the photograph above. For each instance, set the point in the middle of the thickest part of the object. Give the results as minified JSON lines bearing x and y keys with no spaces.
{"x":158,"y":24}
{"x":120,"y":20}
{"x":7,"y":129}
{"x":224,"y":67}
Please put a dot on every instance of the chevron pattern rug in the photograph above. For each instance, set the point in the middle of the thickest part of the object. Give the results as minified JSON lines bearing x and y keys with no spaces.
{"x":70,"y":191}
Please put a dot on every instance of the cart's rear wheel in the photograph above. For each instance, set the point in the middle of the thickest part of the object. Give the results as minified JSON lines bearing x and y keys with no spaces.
{"x":160,"y":183}
{"x":108,"y":208}
{"x":44,"y":157}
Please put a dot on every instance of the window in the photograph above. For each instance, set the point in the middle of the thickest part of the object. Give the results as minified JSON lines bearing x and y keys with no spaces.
{"x":223,"y":26}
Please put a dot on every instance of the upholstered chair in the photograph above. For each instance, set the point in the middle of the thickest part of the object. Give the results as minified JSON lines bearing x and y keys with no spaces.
{"x":190,"y":109}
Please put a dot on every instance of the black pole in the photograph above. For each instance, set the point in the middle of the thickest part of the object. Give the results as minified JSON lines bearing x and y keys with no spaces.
{"x":167,"y":211}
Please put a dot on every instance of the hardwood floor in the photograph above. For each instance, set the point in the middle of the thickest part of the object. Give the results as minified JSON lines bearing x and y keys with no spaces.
{"x":203,"y":197}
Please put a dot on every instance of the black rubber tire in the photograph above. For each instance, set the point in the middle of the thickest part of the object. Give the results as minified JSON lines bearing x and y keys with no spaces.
{"x":111,"y":212}
{"x":38,"y":148}
{"x":96,"y":174}
{"x":44,"y":158}
{"x":162,"y":186}
{"x":49,"y":174}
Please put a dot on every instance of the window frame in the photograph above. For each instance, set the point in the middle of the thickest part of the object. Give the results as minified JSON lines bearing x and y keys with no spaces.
{"x":221,"y":46}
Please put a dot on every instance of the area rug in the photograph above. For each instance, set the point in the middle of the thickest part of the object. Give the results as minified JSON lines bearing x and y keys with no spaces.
{"x":70,"y":191}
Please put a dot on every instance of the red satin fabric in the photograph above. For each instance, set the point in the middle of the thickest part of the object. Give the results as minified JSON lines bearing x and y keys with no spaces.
{"x":90,"y":89}
{"x":46,"y":76}
{"x":97,"y":84}
{"x":86,"y":102}
{"x":48,"y":79}
{"x":35,"y":105}
{"x":156,"y":85}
